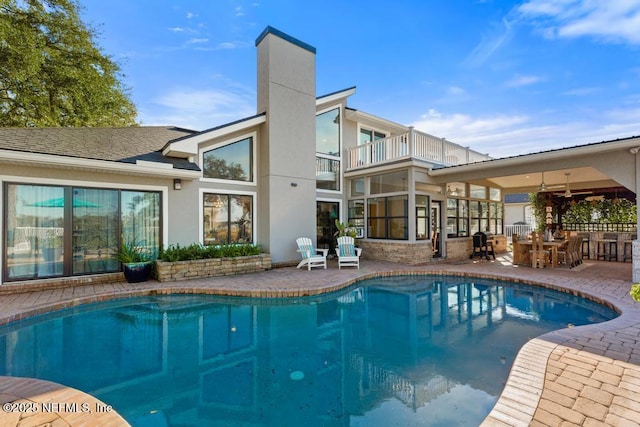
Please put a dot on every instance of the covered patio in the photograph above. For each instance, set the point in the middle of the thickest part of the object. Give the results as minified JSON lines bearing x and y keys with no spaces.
{"x":599,"y":171}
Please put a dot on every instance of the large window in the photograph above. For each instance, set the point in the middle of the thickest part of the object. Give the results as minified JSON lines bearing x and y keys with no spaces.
{"x":53,"y":231}
{"x":388,"y":217}
{"x":328,"y":132}
{"x":95,"y":236}
{"x":328,"y":150}
{"x":457,"y":218}
{"x":230,"y":162}
{"x":486,"y":217}
{"x":389,"y":182}
{"x":228,"y":218}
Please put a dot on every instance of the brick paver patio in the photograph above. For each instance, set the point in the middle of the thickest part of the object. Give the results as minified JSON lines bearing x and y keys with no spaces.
{"x":584,"y":376}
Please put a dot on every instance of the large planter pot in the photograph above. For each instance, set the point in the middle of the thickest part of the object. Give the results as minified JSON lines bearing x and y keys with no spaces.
{"x":136,"y":272}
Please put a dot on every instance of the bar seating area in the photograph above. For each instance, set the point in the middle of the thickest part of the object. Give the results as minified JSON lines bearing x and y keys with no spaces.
{"x":537,"y":251}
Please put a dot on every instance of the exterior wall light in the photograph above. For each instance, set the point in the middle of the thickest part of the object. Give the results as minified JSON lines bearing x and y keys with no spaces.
{"x":177,"y":184}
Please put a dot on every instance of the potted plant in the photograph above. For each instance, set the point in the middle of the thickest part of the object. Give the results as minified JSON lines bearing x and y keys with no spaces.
{"x":136,"y":262}
{"x":345,"y":230}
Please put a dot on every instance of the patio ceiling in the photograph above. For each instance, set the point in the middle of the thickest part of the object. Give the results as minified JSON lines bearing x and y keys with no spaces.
{"x":579,"y":178}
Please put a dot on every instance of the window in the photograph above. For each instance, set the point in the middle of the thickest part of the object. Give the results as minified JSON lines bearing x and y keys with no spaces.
{"x":357,"y":187}
{"x":477,"y":191}
{"x":486,"y":217}
{"x":422,"y":217}
{"x":495,"y":194}
{"x":367,"y":135}
{"x":457,"y":189}
{"x":228,"y":218}
{"x":327,"y":173}
{"x":140,"y":219}
{"x":328,"y":132}
{"x":96,"y":230}
{"x":388,"y":218}
{"x":230,"y":162}
{"x":356,"y":216}
{"x":328,"y":150}
{"x":457,"y":218}
{"x":388,"y":183}
{"x":53,"y":231}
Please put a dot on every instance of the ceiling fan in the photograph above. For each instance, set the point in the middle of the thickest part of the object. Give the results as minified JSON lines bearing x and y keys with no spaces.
{"x":545,"y":187}
{"x":567,"y":191}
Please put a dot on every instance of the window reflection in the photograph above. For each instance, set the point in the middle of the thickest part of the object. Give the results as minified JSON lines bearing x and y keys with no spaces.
{"x":61,"y":231}
{"x":231,"y":161}
{"x":328,"y":132}
{"x":95,"y":236}
{"x":34,"y":231}
{"x":228,"y":218}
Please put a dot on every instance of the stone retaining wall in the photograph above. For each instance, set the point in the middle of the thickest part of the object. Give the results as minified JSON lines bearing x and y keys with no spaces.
{"x":405,"y":253}
{"x":183,"y":270}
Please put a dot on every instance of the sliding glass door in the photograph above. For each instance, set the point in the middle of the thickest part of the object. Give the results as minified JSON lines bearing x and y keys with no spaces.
{"x":53,"y":231}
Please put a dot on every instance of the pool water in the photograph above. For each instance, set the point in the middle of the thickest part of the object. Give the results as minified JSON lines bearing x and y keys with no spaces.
{"x":401,"y":351}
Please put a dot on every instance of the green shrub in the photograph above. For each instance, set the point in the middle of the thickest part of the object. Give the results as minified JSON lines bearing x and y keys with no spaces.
{"x":635,"y":292}
{"x":197,"y":251}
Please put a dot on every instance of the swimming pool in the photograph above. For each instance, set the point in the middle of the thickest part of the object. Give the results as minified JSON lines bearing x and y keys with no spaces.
{"x":407,"y":350}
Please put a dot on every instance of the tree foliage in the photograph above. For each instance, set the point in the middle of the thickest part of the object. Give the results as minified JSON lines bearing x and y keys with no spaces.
{"x":52,"y":73}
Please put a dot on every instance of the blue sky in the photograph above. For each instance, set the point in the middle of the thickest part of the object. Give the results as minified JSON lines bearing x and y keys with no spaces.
{"x":503,"y":77}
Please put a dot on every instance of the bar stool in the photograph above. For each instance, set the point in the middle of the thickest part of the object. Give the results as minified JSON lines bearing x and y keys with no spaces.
{"x":628,"y":254}
{"x":607,"y":246}
{"x":585,"y":243}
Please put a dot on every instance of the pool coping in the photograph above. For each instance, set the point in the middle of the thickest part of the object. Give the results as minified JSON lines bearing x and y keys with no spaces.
{"x":595,"y":368}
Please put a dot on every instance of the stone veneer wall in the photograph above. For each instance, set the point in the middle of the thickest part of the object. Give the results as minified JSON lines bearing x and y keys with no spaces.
{"x":212,"y":267}
{"x":462,"y":247}
{"x":400,"y":252}
{"x":59,"y":282}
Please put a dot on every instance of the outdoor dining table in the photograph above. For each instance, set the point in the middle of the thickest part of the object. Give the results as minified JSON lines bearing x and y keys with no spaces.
{"x":551,"y":246}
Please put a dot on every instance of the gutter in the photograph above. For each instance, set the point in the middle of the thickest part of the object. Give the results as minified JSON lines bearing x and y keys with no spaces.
{"x":146,"y":168}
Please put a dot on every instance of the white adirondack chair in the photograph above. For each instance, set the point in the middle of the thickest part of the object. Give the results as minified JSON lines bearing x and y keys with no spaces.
{"x":348,"y":254}
{"x":311,"y":257}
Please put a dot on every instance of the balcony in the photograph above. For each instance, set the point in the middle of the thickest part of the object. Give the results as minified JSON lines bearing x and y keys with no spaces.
{"x":411,"y":145}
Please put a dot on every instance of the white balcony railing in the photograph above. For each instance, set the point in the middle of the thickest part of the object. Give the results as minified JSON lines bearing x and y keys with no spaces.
{"x":411,"y":145}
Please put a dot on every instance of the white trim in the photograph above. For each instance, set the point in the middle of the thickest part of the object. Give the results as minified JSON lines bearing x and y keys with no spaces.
{"x":254,"y":159}
{"x":340,"y":203}
{"x":20,"y":180}
{"x":373,"y":130}
{"x":360,"y":116}
{"x":189,"y":145}
{"x":202,"y":191}
{"x":335,"y":96}
{"x":145,"y":168}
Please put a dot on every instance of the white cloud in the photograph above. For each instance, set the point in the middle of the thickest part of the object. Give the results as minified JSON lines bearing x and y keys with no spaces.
{"x":581,"y":91}
{"x":610,"y":21}
{"x":519,"y":81}
{"x":456,"y":90}
{"x":490,"y":43}
{"x":197,"y":41}
{"x":198,"y":109}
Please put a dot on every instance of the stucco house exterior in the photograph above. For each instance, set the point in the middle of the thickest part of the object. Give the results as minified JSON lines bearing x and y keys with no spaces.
{"x":301,"y":162}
